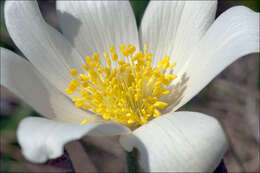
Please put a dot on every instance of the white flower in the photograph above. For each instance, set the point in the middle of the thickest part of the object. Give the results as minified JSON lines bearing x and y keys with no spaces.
{"x":185,"y":31}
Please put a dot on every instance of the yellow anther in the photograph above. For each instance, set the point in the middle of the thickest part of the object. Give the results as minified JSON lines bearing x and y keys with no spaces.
{"x":122,"y":47}
{"x":165,"y":66}
{"x":112,"y":49}
{"x":74,"y":99}
{"x":114,"y":57}
{"x":83,"y":77}
{"x":126,"y":53}
{"x":73,"y":72}
{"x":173,"y":65}
{"x":127,"y":92}
{"x":145,"y":47}
{"x":160,"y":105}
{"x":166,"y":92}
{"x":158,"y":83}
{"x":107,"y":58}
{"x":106,"y":116}
{"x":130,"y":121}
{"x":171,"y":76}
{"x":157,"y":113}
{"x":143,"y":120}
{"x":85,"y":84}
{"x":78,"y":104}
{"x":75,"y":83}
{"x":86,"y":106}
{"x":132,"y":50}
{"x":121,"y":61}
{"x":69,"y":91}
{"x":84,"y":121}
{"x":88,"y":60}
{"x":166,"y":59}
{"x":121,"y":69}
{"x":85,"y":67}
{"x":95,"y":57}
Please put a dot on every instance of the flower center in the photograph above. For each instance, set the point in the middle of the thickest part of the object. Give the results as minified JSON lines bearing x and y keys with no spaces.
{"x":125,"y":90}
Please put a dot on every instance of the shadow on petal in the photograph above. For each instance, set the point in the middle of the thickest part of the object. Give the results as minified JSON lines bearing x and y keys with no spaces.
{"x":129,"y":142}
{"x":73,"y":27}
{"x":176,"y":94}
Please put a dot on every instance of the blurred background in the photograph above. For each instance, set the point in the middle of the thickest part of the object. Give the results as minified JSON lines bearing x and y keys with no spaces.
{"x":232,"y":97}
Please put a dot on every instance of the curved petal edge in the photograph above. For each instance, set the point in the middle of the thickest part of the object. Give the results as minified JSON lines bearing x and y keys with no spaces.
{"x":42,"y":139}
{"x":178,"y":142}
{"x":234,"y":34}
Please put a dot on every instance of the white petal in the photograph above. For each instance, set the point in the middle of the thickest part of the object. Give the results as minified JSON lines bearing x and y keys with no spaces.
{"x":233,"y":35}
{"x":46,"y":48}
{"x":173,"y":28}
{"x":178,"y":142}
{"x":20,"y":77}
{"x":43,"y":139}
{"x":93,"y":26}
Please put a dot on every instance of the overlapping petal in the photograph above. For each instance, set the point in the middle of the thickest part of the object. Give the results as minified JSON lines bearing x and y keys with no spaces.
{"x":173,"y":28}
{"x":234,"y":34}
{"x":93,"y":26}
{"x":178,"y":142}
{"x":43,"y":139}
{"x":20,"y":77}
{"x":46,"y":48}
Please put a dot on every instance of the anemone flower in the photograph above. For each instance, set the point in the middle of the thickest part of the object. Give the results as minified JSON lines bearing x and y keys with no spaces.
{"x":102,"y":76}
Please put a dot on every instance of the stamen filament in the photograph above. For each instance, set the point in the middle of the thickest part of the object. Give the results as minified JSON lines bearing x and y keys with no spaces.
{"x":127,"y":90}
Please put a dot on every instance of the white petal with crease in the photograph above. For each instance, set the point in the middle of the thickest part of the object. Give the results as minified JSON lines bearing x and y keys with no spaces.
{"x":173,"y":28}
{"x":43,"y":139}
{"x":46,"y":48}
{"x":234,"y":34}
{"x":20,"y":77}
{"x":178,"y":142}
{"x":93,"y":26}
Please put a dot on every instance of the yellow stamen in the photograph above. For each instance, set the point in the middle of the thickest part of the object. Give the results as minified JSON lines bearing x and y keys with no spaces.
{"x":73,"y":72}
{"x":84,"y":121}
{"x":145,"y":47}
{"x":127,"y":90}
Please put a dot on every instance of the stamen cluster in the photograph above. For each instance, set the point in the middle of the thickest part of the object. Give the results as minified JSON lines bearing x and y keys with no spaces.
{"x":125,"y":90}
